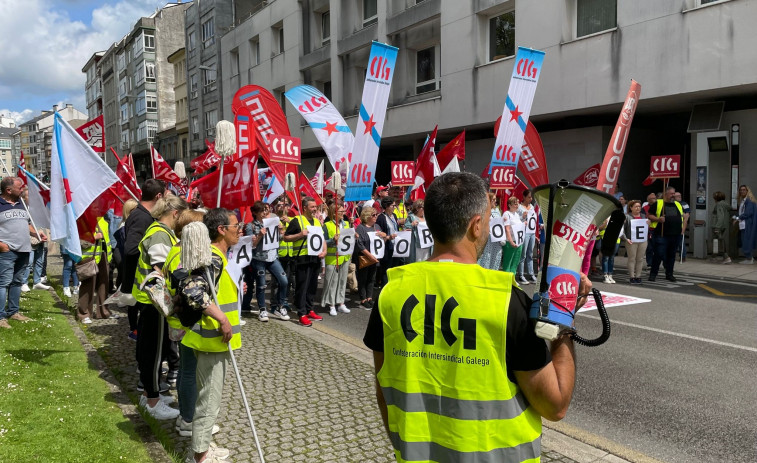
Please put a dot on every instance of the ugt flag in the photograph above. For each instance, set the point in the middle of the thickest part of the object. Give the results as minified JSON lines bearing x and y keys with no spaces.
{"x":77,"y":177}
{"x":520,"y":96}
{"x":370,"y":123}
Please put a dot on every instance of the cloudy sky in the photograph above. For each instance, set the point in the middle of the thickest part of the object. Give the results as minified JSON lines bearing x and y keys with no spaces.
{"x":45,"y":44}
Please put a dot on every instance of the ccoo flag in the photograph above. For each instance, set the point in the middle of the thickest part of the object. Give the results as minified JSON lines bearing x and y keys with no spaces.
{"x":77,"y":177}
{"x":520,"y":96}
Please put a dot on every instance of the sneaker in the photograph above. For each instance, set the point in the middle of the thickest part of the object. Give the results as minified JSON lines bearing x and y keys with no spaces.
{"x":67,"y":291}
{"x":185,"y":428}
{"x":747,"y":261}
{"x":41,"y":285}
{"x":133,"y":335}
{"x":280,"y":313}
{"x":607,"y":279}
{"x":367,"y":305}
{"x":343,"y":308}
{"x":163,"y":387}
{"x":161,"y":411}
{"x":305,"y":321}
{"x":314,"y":316}
{"x":20,"y":318}
{"x":533,"y":279}
{"x":166,"y":399}
{"x":671,"y":278}
{"x":25,"y":288}
{"x":522,"y":280}
{"x":263,"y":315}
{"x":242,"y":322}
{"x":140,"y":386}
{"x":76,"y":289}
{"x":87,"y":321}
{"x":4,"y":324}
{"x":43,"y":280}
{"x":332,"y":311}
{"x":727,"y":260}
{"x":612,"y":280}
{"x":652,"y":278}
{"x":218,"y":452}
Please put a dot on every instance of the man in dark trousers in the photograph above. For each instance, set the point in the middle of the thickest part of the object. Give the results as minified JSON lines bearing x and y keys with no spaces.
{"x":666,"y":218}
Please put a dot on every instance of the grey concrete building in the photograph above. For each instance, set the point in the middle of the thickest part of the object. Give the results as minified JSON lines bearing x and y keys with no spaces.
{"x":6,"y":151}
{"x":173,"y":143}
{"x":206,"y":22}
{"x":93,"y":86}
{"x":456,"y":59}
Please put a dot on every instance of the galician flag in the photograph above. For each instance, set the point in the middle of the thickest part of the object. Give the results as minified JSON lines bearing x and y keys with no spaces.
{"x":77,"y":177}
{"x":520,"y":96}
{"x":370,"y":123}
{"x":274,"y":191}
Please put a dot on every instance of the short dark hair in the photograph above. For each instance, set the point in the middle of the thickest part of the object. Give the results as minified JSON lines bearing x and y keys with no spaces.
{"x":6,"y":183}
{"x":452,"y":200}
{"x":258,"y":207}
{"x":152,"y":188}
{"x":215,"y":218}
{"x":386,"y":202}
{"x":306,"y":200}
{"x":526,"y":192}
{"x":718,"y":196}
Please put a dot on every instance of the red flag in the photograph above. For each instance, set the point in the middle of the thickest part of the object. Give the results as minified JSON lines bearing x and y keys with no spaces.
{"x":206,"y":160}
{"x":533,"y":162}
{"x":87,"y":222}
{"x":424,"y":166}
{"x":240,"y":183}
{"x":485,"y":173}
{"x":162,"y":171}
{"x":608,"y":174}
{"x":589,"y":177}
{"x":455,"y":148}
{"x":648,"y":181}
{"x":92,"y":132}
{"x":20,"y":174}
{"x":306,"y":187}
{"x":517,"y":191}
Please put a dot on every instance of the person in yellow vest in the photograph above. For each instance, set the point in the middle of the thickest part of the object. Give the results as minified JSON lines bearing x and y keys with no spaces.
{"x":153,"y":341}
{"x":281,"y":208}
{"x":337,"y":264}
{"x":460,"y":373}
{"x":666,"y":226}
{"x":211,"y":337}
{"x":95,"y":288}
{"x":307,"y":267}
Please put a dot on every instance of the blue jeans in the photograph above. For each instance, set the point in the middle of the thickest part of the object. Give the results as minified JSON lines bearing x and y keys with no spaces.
{"x":13,"y":267}
{"x":664,"y":253}
{"x":186,"y":383}
{"x":36,"y":264}
{"x":608,"y":262}
{"x":69,"y":271}
{"x":277,"y":271}
{"x":527,"y":257}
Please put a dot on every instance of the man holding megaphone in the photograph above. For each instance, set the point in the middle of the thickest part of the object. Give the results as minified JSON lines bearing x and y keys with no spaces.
{"x":454,"y":349}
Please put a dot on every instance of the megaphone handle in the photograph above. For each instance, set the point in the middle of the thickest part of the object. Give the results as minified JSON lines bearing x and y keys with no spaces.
{"x":605,"y":323}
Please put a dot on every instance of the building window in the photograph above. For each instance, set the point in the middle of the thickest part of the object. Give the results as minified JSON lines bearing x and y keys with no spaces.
{"x":255,"y":50}
{"x":370,"y":12}
{"x":211,"y":118}
{"x":327,"y":90}
{"x":193,"y":85}
{"x":149,"y":42}
{"x":208,"y":80}
{"x":594,"y":16}
{"x":152,"y":104}
{"x":502,"y":36}
{"x":138,"y":47}
{"x":150,"y":73}
{"x":140,"y":105}
{"x":121,"y":62}
{"x":195,"y":128}
{"x":122,"y":87}
{"x":140,"y":73}
{"x":191,"y":42}
{"x":142,"y":131}
{"x":234,"y":56}
{"x":278,"y":38}
{"x":325,"y":28}
{"x":152,"y":130}
{"x":426,"y":73}
{"x":208,"y":33}
{"x":125,"y":113}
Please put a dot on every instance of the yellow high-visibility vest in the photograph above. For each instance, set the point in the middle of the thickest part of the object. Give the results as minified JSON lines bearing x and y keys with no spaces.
{"x":173,"y":261}
{"x":332,"y":258}
{"x":206,"y":336}
{"x":97,"y":249}
{"x":653,"y":224}
{"x":143,"y":264}
{"x":299,"y":247}
{"x":444,"y":375}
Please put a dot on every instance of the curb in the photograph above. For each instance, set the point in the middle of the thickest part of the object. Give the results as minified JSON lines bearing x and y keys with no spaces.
{"x":154,"y":448}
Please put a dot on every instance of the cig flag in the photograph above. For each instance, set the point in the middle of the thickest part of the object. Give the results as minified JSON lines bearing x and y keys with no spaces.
{"x":378,"y":81}
{"x":77,"y":177}
{"x":520,"y":96}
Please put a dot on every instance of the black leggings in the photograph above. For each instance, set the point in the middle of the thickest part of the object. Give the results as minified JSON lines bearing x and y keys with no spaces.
{"x":365,"y":278}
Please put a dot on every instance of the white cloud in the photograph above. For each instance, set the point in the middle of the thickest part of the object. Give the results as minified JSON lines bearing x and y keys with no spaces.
{"x":48,"y":48}
{"x":18,"y":116}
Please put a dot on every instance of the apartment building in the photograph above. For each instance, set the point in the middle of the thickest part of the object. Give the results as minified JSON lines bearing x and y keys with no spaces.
{"x":36,"y":137}
{"x":173,"y":143}
{"x":137,"y":84}
{"x":8,"y":166}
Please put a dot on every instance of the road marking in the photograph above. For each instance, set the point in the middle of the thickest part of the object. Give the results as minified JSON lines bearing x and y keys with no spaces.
{"x":673,"y":333}
{"x":720,"y":293}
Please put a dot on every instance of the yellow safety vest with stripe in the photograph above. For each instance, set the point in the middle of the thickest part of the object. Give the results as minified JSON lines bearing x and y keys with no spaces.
{"x":401,"y":213}
{"x":206,"y":335}
{"x":659,"y":211}
{"x":444,"y":376}
{"x":300,"y":247}
{"x":332,"y":258}
{"x":173,"y":260}
{"x":143,"y":264}
{"x":285,"y":248}
{"x":97,"y":249}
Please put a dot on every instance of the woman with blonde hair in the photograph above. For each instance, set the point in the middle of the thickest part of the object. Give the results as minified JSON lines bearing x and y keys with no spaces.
{"x":367,"y":274}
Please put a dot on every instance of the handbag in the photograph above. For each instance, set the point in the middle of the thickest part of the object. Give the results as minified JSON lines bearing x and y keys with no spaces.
{"x":365,"y":261}
{"x":86,"y":268}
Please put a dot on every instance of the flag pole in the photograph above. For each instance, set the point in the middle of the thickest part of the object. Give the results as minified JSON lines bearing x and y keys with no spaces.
{"x":26,"y":208}
{"x":220,"y":181}
{"x":226,"y":145}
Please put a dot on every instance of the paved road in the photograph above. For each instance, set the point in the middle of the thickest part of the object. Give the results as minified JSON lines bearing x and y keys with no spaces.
{"x":676,"y":381}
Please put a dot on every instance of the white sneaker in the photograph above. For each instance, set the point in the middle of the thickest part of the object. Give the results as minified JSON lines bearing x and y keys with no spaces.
{"x":43,"y":280}
{"x":161,"y":411}
{"x":612,"y":280}
{"x":747,"y":261}
{"x":607,"y":279}
{"x":343,"y":308}
{"x":166,"y":399}
{"x":332,"y":311}
{"x":76,"y":289}
{"x":534,"y":279}
{"x":41,"y":285}
{"x":263,"y":315}
{"x":522,"y":280}
{"x":67,"y":291}
{"x":242,"y":322}
{"x":185,"y":429}
{"x":25,"y":288}
{"x":281,"y":313}
{"x":87,"y":321}
{"x":218,"y":452}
